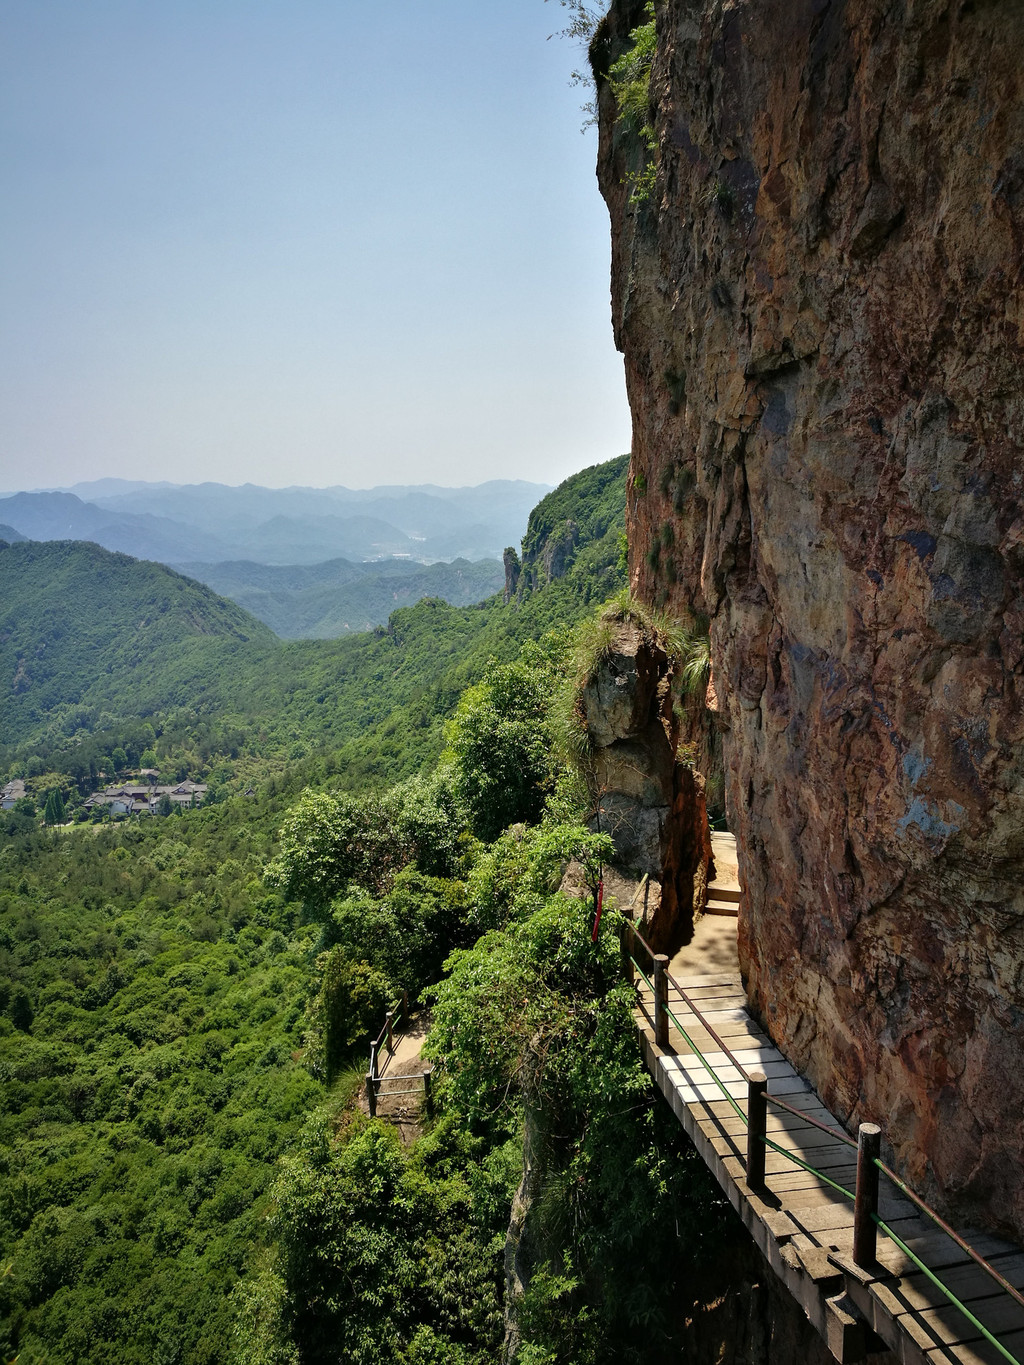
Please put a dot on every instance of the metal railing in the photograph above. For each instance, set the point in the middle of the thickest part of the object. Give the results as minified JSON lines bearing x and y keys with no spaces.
{"x":396,"y":1021}
{"x":869,"y":1164}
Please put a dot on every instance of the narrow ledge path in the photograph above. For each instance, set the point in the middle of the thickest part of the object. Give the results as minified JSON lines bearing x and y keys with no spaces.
{"x":800,"y":1222}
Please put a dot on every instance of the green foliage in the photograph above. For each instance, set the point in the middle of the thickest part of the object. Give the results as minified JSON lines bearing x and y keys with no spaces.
{"x":142,"y":1115}
{"x":519,"y":871}
{"x":176,"y":1182}
{"x":329,"y":842}
{"x":53,"y":811}
{"x":59,"y":637}
{"x":498,"y":746}
{"x":531,"y":1021}
{"x":386,"y":1255}
{"x":409,"y":933}
{"x":354,"y":996}
{"x":695,"y":658}
{"x":630,"y":79}
{"x":583,"y":518}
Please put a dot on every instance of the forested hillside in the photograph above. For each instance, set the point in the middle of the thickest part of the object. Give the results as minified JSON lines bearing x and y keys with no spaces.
{"x":182,"y":1175}
{"x":162,"y":666}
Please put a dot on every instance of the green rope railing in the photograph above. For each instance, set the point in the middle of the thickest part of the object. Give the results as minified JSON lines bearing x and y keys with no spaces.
{"x":813,"y":1170}
{"x":848,"y":1194}
{"x":975,"y":1256}
{"x":992,"y":1340}
{"x":706,"y":1064}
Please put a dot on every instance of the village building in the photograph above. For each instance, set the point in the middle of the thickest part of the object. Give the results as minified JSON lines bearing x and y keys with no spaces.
{"x":12,"y":792}
{"x":138,"y":798}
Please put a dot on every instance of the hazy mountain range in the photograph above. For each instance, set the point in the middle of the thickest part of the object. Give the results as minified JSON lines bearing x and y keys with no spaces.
{"x":309,"y":562}
{"x":211,"y":523}
{"x":322,"y":601}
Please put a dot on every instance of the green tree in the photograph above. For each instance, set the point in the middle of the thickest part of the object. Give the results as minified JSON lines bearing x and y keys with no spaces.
{"x":54,"y":811}
{"x":499,"y":748}
{"x":21,"y":1010}
{"x":353,"y":998}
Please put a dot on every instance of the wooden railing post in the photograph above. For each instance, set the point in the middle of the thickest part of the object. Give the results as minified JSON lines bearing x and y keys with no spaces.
{"x":428,"y":1094}
{"x":661,"y":999}
{"x":757,"y":1127}
{"x":626,"y":950}
{"x":865,"y":1208}
{"x":389,"y":1021}
{"x":371,"y":1093}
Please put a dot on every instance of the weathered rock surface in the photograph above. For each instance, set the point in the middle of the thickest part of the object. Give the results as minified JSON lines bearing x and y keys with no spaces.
{"x":822,"y":316}
{"x":652,"y":806}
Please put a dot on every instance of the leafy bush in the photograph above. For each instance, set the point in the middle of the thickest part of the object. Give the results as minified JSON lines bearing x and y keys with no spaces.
{"x":385,"y":1255}
{"x":498,"y":746}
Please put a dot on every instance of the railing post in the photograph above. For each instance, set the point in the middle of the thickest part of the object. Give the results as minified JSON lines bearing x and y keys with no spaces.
{"x":626,"y":950}
{"x":865,"y":1208}
{"x":389,"y":1020}
{"x":661,"y":999}
{"x":757,"y":1127}
{"x":371,"y":1093}
{"x":428,"y":1094}
{"x":374,"y":1068}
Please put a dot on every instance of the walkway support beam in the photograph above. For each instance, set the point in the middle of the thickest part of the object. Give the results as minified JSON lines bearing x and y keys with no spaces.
{"x":661,"y":999}
{"x":757,"y":1128}
{"x":865,"y":1208}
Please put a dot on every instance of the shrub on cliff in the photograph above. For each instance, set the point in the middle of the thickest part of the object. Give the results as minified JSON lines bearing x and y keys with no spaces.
{"x":630,"y":80}
{"x":533,"y":1025}
{"x":385,"y":1255}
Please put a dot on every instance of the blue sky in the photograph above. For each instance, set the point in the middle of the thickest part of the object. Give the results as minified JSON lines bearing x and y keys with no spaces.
{"x":299,"y":241}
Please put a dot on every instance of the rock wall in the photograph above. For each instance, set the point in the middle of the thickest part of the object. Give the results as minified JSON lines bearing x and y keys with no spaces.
{"x":652,"y":806}
{"x":822,"y":316}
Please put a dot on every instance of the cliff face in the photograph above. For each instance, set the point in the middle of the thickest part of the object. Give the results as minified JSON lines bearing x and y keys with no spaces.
{"x":821,"y":308}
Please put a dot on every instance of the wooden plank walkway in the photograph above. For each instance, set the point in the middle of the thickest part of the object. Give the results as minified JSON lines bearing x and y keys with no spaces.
{"x":801,"y":1223}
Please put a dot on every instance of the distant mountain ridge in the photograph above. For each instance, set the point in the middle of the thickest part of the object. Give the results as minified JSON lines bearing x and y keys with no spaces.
{"x":210,"y":522}
{"x":325,"y":600}
{"x":96,"y":648}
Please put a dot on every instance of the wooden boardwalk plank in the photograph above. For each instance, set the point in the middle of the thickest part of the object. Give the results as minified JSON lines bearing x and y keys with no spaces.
{"x":802,"y":1224}
{"x":979,"y":1352}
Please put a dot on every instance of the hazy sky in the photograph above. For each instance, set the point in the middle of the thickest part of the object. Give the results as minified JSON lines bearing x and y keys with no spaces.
{"x":299,"y":241}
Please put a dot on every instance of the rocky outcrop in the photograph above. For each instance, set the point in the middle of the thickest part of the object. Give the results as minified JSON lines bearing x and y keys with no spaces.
{"x":513,"y":568}
{"x":520,"y":1249}
{"x":652,"y":805}
{"x":573,"y":531}
{"x":821,"y":307}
